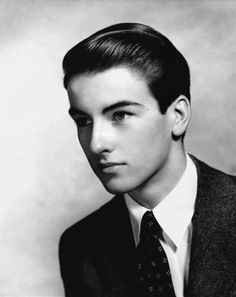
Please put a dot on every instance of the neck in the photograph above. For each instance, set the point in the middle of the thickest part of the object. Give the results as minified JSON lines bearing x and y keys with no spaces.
{"x":153,"y":191}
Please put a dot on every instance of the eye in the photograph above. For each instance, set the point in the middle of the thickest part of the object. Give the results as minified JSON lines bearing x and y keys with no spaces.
{"x":120,"y":115}
{"x":82,"y":122}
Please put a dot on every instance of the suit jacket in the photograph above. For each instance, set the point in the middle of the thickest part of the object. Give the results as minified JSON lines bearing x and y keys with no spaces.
{"x":97,"y":254}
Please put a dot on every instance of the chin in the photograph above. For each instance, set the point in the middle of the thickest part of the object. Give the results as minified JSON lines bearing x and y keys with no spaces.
{"x":116,"y":188}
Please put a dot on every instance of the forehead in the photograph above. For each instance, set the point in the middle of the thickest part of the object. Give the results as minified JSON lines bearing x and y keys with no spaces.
{"x":92,"y":91}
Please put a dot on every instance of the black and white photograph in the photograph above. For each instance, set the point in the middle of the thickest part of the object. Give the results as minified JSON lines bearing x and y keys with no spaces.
{"x":118,"y":148}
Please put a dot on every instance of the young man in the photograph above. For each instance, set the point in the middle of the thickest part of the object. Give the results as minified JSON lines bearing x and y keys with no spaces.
{"x":170,"y":229}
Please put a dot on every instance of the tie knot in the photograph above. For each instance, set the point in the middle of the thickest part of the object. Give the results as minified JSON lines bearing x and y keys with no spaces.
{"x":149,"y":227}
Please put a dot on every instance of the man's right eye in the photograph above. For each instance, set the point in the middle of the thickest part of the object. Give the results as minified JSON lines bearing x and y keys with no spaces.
{"x":82,"y":122}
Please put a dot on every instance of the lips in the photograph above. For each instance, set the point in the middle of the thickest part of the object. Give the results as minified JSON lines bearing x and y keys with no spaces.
{"x":109,"y":167}
{"x":108,"y":164}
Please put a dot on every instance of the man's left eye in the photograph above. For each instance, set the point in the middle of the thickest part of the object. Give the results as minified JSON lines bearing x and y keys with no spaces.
{"x":120,"y":115}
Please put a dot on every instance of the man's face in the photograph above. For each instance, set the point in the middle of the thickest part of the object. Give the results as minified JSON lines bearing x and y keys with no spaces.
{"x":125,"y":138}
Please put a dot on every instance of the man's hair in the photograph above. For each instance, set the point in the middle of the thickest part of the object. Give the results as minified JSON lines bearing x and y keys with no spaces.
{"x":138,"y":47}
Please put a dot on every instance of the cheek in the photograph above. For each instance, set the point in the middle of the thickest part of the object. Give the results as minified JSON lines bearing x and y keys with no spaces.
{"x":148,"y":140}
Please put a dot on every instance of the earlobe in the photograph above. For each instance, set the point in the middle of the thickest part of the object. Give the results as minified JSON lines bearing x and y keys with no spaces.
{"x":182,"y":111}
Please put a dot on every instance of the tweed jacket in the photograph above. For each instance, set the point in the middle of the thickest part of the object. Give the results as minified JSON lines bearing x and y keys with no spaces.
{"x":97,"y":253}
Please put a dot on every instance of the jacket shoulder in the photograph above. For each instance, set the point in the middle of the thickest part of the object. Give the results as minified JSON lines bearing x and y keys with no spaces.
{"x":95,"y":225}
{"x":221,"y":183}
{"x":216,"y":196}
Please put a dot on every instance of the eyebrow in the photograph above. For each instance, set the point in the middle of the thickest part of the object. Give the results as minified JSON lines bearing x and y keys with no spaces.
{"x":123,"y":103}
{"x":73,"y":111}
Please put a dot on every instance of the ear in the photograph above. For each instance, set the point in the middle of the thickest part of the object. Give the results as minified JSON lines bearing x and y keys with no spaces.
{"x":181,"y":111}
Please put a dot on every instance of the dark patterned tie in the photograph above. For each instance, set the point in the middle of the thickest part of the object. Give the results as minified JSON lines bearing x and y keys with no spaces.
{"x":152,"y":265}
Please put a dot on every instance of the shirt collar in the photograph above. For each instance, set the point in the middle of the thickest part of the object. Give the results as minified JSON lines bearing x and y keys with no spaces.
{"x":174,"y":213}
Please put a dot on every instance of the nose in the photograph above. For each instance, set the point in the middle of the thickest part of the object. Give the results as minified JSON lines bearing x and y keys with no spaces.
{"x":102,"y":138}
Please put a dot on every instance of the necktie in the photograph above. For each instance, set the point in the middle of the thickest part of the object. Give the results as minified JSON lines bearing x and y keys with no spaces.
{"x":154,"y":275}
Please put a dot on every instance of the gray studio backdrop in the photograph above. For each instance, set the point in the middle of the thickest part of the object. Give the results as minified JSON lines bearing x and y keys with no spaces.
{"x":46,"y":184}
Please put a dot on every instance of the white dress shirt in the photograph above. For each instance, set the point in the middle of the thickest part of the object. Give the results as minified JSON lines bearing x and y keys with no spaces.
{"x":174,"y":214}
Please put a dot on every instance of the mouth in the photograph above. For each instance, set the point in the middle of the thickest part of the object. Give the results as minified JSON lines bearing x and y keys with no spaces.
{"x":110,"y":167}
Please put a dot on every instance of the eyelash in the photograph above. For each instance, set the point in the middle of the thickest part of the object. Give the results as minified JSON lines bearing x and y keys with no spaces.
{"x":117,"y":116}
{"x":123,"y":114}
{"x":82,"y":125}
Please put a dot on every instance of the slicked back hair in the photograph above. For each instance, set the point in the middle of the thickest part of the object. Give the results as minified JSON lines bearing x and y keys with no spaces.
{"x":138,"y":47}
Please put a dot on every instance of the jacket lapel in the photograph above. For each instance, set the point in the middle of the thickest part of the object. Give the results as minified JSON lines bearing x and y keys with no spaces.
{"x":119,"y":247}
